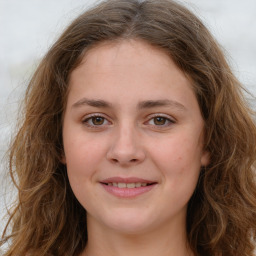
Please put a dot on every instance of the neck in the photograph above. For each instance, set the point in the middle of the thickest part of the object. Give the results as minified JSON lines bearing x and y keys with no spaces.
{"x":162,"y":241}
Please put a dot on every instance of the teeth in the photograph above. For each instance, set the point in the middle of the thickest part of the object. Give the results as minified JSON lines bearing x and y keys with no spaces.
{"x":121,"y":185}
{"x":130,"y":185}
{"x":127,"y":185}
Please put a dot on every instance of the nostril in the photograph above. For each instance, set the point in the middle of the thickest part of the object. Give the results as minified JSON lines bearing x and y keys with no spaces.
{"x":131,"y":161}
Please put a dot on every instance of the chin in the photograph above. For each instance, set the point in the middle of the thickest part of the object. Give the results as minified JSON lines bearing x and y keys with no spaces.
{"x":129,"y":223}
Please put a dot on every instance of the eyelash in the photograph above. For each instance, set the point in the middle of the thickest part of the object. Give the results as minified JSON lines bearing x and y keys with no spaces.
{"x":88,"y":119}
{"x":167,"y":121}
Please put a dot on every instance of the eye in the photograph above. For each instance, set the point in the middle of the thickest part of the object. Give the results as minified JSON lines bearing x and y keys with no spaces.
{"x":95,"y":120}
{"x":161,"y":121}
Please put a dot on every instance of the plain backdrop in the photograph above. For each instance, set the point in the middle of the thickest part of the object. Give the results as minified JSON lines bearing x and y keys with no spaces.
{"x":29,"y":27}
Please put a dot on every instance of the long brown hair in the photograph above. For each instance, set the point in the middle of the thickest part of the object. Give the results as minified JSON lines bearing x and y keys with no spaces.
{"x":221,"y":218}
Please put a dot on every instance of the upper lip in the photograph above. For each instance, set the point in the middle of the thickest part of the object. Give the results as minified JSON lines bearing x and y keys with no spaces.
{"x":126,"y":180}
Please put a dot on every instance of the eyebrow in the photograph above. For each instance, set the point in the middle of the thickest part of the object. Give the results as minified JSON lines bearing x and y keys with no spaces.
{"x":147,"y":104}
{"x":93,"y":103}
{"x":161,"y":103}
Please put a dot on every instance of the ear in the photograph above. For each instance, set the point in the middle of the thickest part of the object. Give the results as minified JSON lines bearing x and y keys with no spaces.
{"x":63,"y":158}
{"x":205,"y":158}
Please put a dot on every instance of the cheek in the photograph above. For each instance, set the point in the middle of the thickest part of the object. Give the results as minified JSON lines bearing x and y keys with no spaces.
{"x":179,"y":161}
{"x":178,"y":152}
{"x":83,"y":155}
{"x":82,"y":161}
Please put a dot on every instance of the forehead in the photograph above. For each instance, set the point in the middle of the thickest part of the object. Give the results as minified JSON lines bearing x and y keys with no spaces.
{"x":124,"y":49}
{"x":128,"y":68}
{"x":124,"y":56}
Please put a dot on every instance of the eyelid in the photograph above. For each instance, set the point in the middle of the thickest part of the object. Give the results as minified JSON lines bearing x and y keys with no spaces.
{"x":171,"y":120}
{"x":161,"y":115}
{"x":87,"y":117}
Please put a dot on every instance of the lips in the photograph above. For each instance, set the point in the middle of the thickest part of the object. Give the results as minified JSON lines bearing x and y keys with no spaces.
{"x":127,"y":187}
{"x":126,"y":180}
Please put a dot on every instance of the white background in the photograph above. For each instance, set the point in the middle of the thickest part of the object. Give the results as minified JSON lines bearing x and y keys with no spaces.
{"x":29,"y":27}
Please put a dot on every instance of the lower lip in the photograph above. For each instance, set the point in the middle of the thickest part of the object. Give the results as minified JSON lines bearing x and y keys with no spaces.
{"x":127,"y":192}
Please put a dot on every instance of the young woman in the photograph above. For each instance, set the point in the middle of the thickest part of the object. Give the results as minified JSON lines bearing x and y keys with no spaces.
{"x":136,"y":140}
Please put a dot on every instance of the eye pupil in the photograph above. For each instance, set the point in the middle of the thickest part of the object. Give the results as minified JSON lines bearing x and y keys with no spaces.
{"x":97,"y":120}
{"x":159,"y":120}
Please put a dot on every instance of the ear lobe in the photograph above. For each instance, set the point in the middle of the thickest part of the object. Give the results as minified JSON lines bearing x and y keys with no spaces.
{"x":205,"y":158}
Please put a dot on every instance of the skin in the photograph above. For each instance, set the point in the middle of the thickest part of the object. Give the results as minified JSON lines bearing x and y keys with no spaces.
{"x":127,"y":140}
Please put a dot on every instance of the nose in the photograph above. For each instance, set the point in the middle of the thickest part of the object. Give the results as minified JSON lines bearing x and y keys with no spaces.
{"x":126,"y":148}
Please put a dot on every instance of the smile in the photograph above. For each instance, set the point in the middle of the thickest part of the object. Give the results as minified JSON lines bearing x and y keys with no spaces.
{"x":127,"y":187}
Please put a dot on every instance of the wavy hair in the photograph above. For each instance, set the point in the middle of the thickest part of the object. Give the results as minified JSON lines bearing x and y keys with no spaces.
{"x":221,"y":217}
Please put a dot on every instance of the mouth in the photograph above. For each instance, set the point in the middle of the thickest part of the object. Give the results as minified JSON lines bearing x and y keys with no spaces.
{"x":127,"y":187}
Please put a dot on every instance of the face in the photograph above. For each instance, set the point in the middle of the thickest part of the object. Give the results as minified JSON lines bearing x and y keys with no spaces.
{"x":133,"y":138}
